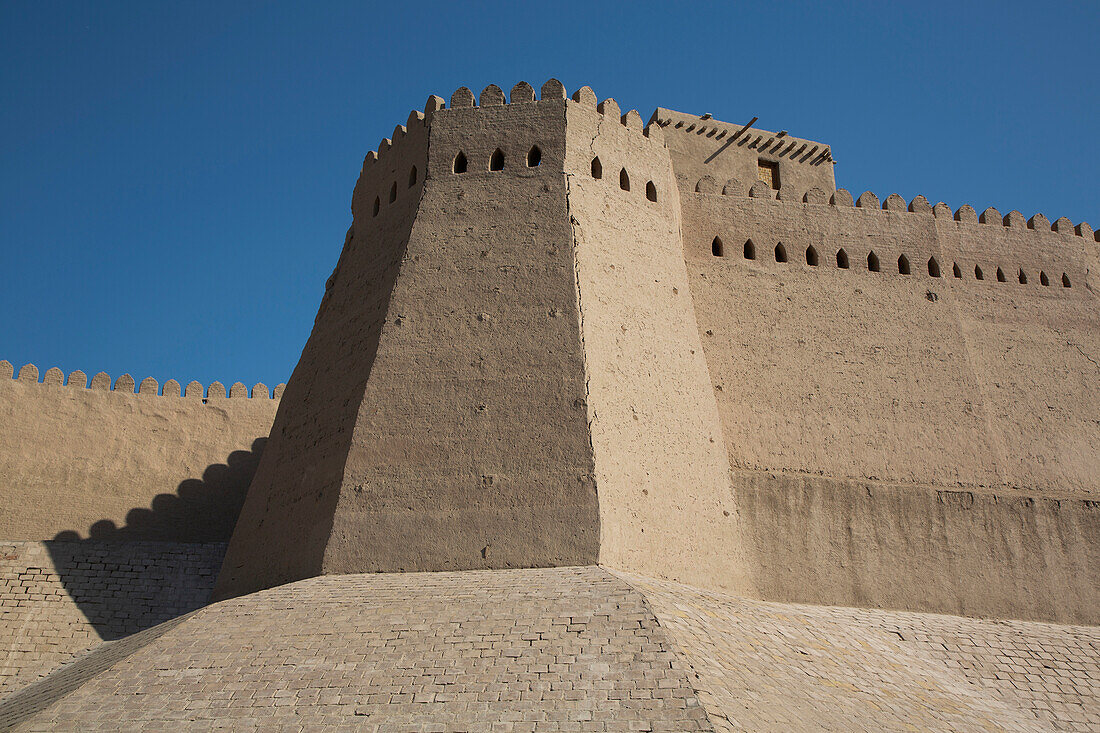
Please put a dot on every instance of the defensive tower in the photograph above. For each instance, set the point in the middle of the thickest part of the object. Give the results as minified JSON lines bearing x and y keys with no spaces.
{"x":556,"y":336}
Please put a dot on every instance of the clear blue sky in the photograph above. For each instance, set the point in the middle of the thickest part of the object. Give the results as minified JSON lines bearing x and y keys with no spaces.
{"x":175,"y":178}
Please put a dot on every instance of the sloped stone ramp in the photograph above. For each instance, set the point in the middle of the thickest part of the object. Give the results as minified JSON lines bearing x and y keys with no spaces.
{"x":762,"y":666}
{"x":570,"y":649}
{"x":554,"y":649}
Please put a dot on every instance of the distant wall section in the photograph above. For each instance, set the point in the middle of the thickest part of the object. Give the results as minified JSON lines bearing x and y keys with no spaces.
{"x":114,"y":464}
{"x":910,"y":399}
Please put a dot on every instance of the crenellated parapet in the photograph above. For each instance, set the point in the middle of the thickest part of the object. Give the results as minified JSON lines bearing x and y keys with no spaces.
{"x":957,"y":243}
{"x":148,"y":387}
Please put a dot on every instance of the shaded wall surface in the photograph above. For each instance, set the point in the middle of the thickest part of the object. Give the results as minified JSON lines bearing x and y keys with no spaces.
{"x":900,"y":436}
{"x":108,"y":464}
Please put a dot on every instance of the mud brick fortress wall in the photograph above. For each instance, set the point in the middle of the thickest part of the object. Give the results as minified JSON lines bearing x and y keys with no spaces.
{"x":563,"y":336}
{"x":102,"y":461}
{"x":559,"y":336}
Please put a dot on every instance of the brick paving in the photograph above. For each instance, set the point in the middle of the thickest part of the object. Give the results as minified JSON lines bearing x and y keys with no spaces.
{"x":59,"y":599}
{"x":567,"y":649}
{"x":779,"y":667}
{"x":570,"y":649}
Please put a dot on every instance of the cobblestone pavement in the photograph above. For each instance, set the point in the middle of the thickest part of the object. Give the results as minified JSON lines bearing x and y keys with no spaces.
{"x":566,"y":649}
{"x":780,"y":667}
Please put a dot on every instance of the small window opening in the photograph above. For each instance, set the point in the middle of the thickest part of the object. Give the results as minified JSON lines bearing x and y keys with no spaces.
{"x":412,"y":177}
{"x":750,"y":250}
{"x":811,"y":256}
{"x":496,"y":161}
{"x":534,"y":156}
{"x":716,"y":247}
{"x":1001,"y":275}
{"x":780,"y":253}
{"x":650,"y":191}
{"x":1065,"y":281}
{"x":1022,"y":276}
{"x":872,"y":262}
{"x":933,"y":267}
{"x":460,"y":163}
{"x":842,"y":259}
{"x":768,"y":172}
{"x":1043,"y":278}
{"x":377,"y":205}
{"x":393,"y":192}
{"x":903,"y":265}
{"x":956,"y":271}
{"x":978,"y":273}
{"x":624,"y":180}
{"x":597,"y":168}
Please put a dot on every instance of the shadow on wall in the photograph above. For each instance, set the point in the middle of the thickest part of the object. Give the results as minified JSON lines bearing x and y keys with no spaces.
{"x":201,"y":510}
{"x":164,"y":561}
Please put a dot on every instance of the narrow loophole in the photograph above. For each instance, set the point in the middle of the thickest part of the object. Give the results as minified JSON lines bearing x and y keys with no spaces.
{"x":716,"y":247}
{"x":842,"y":259}
{"x":496,"y":161}
{"x":534,"y":157}
{"x":460,"y":165}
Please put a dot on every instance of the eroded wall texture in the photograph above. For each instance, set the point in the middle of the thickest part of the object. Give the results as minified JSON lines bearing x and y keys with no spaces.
{"x":437,"y":419}
{"x":900,"y":436}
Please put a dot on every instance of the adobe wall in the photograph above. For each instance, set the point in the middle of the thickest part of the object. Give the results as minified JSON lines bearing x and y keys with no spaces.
{"x":712,"y":156}
{"x":79,"y":461}
{"x":286,"y":521}
{"x":906,"y":441}
{"x":59,"y":598}
{"x":459,"y":436}
{"x":661,"y":470}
